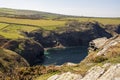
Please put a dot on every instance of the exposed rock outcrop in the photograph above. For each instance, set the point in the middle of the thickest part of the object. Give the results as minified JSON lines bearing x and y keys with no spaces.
{"x":94,"y":73}
{"x":72,"y":34}
{"x":31,"y":50}
{"x":110,"y":72}
{"x":111,"y":42}
{"x":113,"y":73}
{"x":113,"y":29}
{"x":97,"y":43}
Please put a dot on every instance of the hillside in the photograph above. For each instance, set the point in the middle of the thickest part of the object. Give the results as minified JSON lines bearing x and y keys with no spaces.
{"x":30,"y":34}
{"x":30,"y":14}
{"x":10,"y":60}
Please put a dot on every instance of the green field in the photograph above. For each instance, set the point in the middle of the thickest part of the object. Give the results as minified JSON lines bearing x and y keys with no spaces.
{"x":14,"y":31}
{"x":104,"y":21}
{"x":13,"y":27}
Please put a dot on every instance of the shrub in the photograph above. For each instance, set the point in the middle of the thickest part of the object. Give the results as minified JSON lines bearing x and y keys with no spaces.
{"x":99,"y":59}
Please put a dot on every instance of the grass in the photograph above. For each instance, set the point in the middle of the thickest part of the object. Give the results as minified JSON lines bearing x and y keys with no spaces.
{"x":100,"y":20}
{"x":13,"y":31}
{"x":11,"y":27}
{"x":8,"y":60}
{"x":46,"y":76}
{"x":42,"y":22}
{"x":2,"y":25}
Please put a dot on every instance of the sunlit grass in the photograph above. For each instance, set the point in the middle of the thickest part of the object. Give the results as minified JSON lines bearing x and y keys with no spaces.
{"x":40,"y":22}
{"x":13,"y":31}
{"x":2,"y":25}
{"x":11,"y":35}
{"x":100,"y":20}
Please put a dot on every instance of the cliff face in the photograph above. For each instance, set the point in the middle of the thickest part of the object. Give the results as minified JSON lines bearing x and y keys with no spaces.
{"x":31,"y":50}
{"x":72,"y":34}
{"x":113,"y":29}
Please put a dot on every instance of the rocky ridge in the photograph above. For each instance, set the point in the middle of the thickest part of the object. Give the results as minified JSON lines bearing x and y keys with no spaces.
{"x":106,"y":72}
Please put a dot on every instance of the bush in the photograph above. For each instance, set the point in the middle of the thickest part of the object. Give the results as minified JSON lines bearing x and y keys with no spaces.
{"x":99,"y":59}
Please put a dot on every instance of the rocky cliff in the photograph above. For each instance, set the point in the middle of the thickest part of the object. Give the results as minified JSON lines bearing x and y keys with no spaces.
{"x":72,"y":34}
{"x":31,"y":50}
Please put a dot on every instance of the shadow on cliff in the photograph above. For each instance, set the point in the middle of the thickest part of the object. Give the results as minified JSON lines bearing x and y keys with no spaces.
{"x":74,"y":34}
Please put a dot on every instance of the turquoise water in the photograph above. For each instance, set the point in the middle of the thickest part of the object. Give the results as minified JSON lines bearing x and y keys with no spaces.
{"x":61,"y":56}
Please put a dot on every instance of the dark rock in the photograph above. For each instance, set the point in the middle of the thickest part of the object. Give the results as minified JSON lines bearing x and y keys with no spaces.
{"x":31,"y":50}
{"x":73,"y":34}
{"x":46,"y":38}
{"x":113,"y":29}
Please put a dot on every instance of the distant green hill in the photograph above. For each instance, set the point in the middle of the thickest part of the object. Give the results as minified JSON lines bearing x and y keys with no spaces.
{"x":29,"y":14}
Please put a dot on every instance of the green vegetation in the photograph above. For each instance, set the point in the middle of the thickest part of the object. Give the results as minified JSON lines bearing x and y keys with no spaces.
{"x":12,"y":28}
{"x":10,"y":59}
{"x":41,"y":22}
{"x":100,"y":20}
{"x":24,"y":14}
{"x":13,"y":22}
{"x":46,"y":76}
{"x":14,"y":31}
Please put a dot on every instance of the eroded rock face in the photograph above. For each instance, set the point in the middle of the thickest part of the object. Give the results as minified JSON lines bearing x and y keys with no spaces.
{"x":66,"y":76}
{"x":113,"y":73}
{"x":31,"y":50}
{"x":94,"y":73}
{"x":111,"y":42}
{"x":113,"y":29}
{"x":97,"y":43}
{"x":73,"y":34}
{"x":106,"y":72}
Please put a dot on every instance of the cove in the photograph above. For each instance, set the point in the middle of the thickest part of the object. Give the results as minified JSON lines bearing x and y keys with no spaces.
{"x":59,"y":56}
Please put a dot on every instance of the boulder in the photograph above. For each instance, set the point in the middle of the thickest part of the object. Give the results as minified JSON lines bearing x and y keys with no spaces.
{"x":31,"y":50}
{"x":97,"y":43}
